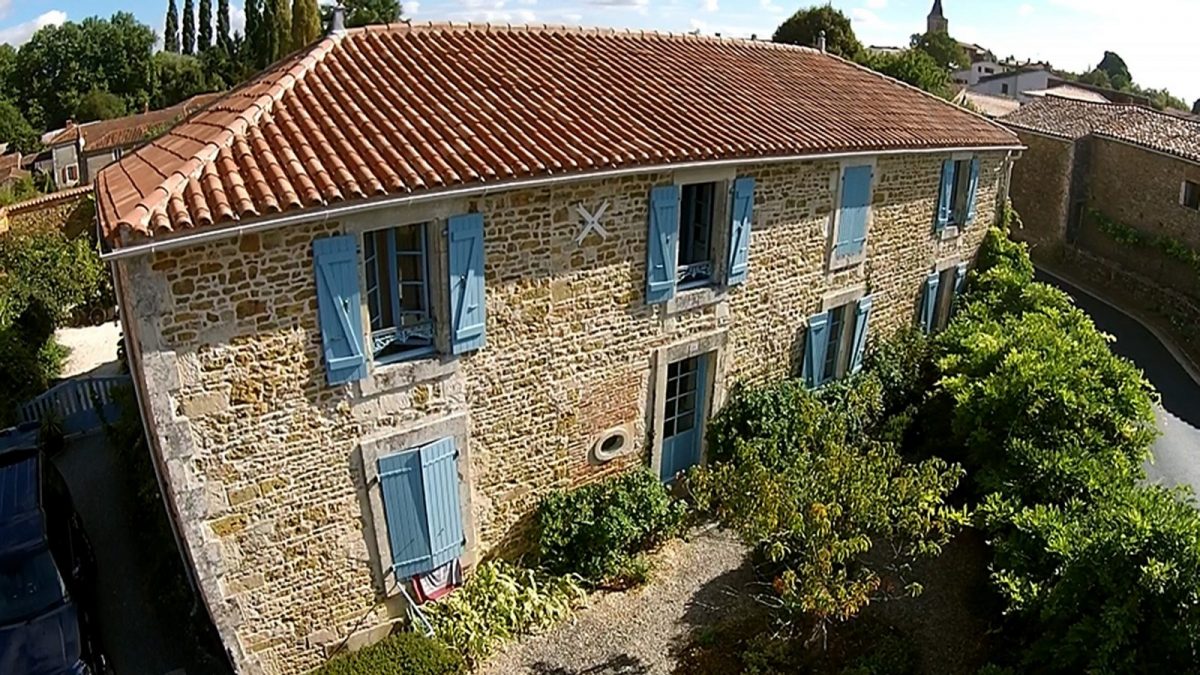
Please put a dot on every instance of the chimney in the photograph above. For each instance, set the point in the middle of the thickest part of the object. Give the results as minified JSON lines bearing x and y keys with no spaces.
{"x":337,"y":26}
{"x":821,"y":42}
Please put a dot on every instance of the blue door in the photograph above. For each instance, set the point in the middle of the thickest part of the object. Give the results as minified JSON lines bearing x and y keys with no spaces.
{"x":683,"y":420}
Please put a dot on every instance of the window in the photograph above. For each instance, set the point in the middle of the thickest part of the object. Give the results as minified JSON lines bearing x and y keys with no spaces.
{"x":990,"y":71}
{"x":945,"y":298}
{"x":1004,"y":89}
{"x":117,"y":153}
{"x":697,"y":209}
{"x":70,"y":174}
{"x":683,"y":415}
{"x":1190,"y":196}
{"x":941,"y":290}
{"x":853,"y":216}
{"x":962,"y":191}
{"x":397,"y":271}
{"x":836,"y":342}
{"x":423,"y":516}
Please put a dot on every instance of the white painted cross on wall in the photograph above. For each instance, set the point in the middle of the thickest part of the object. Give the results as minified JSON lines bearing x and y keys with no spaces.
{"x":591,"y":222}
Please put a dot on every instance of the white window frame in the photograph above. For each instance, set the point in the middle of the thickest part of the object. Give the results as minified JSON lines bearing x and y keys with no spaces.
{"x":723,"y":179}
{"x":379,"y":546}
{"x":832,"y":263}
{"x":955,"y":225}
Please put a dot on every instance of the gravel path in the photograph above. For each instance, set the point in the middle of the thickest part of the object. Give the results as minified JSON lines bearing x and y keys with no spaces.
{"x":639,"y":632}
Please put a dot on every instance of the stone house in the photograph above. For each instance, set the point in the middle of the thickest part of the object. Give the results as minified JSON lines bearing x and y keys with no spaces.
{"x":78,"y":151}
{"x":385,"y":296}
{"x":1091,"y":166}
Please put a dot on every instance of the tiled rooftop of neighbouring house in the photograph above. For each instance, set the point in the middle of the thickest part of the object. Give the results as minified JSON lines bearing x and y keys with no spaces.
{"x":130,"y":129}
{"x":1145,"y":127}
{"x":403,"y":109}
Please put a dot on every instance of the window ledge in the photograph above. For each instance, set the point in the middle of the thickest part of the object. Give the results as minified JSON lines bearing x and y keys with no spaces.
{"x":696,"y":297}
{"x":949,"y":232}
{"x":846,"y":264}
{"x":399,"y":373}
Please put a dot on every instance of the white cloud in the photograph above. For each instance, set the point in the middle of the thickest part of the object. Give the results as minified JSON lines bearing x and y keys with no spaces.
{"x":4,"y":5}
{"x":18,"y":34}
{"x":237,"y":19}
{"x":876,"y":4}
{"x":710,"y":6}
{"x":636,"y":4}
{"x":412,"y":7}
{"x":770,"y":6}
{"x":1025,"y":9}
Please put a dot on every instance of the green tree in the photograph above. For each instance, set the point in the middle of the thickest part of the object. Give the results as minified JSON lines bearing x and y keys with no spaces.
{"x":944,"y":49}
{"x":1118,"y":72}
{"x":99,"y":104}
{"x":306,"y":23}
{"x":281,"y":28}
{"x":16,"y":130}
{"x":805,"y":26}
{"x":59,"y":65}
{"x":224,"y":37}
{"x":8,"y":65}
{"x":914,"y":67}
{"x":179,"y":76}
{"x":253,"y":50}
{"x":188,"y":36}
{"x":810,"y":480}
{"x":1096,"y":78}
{"x":204,"y":27}
{"x":268,"y":47}
{"x":171,"y":30}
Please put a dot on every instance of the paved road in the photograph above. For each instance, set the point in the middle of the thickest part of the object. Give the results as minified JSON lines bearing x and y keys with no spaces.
{"x":1177,"y":452}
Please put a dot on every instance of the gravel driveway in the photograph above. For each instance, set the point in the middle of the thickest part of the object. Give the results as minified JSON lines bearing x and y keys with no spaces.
{"x":695,"y":583}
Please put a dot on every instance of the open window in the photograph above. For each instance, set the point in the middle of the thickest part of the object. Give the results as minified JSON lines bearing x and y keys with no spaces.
{"x":697,"y":213}
{"x":396,"y":263}
{"x":1189,"y":195}
{"x":836,"y":342}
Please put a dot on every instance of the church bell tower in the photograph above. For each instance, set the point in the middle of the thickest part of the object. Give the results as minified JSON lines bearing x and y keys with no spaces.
{"x":937,"y":23}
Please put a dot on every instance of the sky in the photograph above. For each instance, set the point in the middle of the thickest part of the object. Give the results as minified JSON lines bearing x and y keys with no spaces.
{"x":1157,"y":38}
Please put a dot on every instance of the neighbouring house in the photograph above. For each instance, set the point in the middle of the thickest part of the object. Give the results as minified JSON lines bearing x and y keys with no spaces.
{"x":1028,"y":83}
{"x":12,"y":169}
{"x":79,"y":151}
{"x":979,"y":69}
{"x":384,"y":297}
{"x":986,"y":104}
{"x":1094,"y":174}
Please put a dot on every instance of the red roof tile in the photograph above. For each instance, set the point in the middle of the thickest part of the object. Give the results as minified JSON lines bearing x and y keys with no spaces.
{"x":403,"y":109}
{"x":131,"y":129}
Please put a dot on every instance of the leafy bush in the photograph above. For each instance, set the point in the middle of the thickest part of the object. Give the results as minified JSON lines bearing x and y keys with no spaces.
{"x":597,"y":530}
{"x":398,"y":654}
{"x":1111,"y":586}
{"x":499,"y":602}
{"x":801,"y":477}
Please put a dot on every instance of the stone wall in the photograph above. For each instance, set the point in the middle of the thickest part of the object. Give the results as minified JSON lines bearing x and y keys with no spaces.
{"x":262,"y":456}
{"x":71,"y":211}
{"x":1041,"y":186}
{"x":1141,"y":189}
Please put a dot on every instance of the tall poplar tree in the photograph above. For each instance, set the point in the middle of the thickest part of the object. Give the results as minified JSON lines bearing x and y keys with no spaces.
{"x":171,"y":30}
{"x":282,"y":28}
{"x":204,"y":27}
{"x":268,"y":44}
{"x":188,"y":38}
{"x":252,"y":50}
{"x":223,"y":37}
{"x":306,"y":23}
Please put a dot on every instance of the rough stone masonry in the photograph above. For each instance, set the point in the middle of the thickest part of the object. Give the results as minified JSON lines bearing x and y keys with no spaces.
{"x":264,"y":460}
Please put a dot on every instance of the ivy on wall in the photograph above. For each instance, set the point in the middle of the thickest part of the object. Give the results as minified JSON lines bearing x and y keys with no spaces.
{"x":1131,"y":236}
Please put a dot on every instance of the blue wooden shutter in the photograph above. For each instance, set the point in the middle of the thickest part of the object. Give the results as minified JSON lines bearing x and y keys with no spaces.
{"x":854,"y":211}
{"x":468,"y":318}
{"x":439,"y":470}
{"x":403,"y":490}
{"x":929,"y":301}
{"x":946,"y":195}
{"x":814,"y":349}
{"x":339,"y":308}
{"x":739,"y":230}
{"x":960,"y":278}
{"x":862,"y":317}
{"x":972,"y":187}
{"x":662,"y":247}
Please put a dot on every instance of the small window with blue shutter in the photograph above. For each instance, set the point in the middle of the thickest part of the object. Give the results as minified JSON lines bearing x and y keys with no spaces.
{"x":957,"y":195}
{"x":697,"y":213}
{"x":853,"y":216}
{"x":836,"y":342}
{"x":739,"y":231}
{"x":420,"y":490}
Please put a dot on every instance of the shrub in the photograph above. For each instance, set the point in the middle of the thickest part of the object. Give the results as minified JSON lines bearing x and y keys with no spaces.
{"x":398,"y":654}
{"x":815,"y":492}
{"x":499,"y":602}
{"x":596,"y":530}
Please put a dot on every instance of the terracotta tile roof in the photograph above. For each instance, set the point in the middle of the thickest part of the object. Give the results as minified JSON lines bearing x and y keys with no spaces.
{"x":992,"y":106}
{"x":131,"y":129}
{"x":10,"y":168}
{"x":1146,"y":127}
{"x":46,"y":200}
{"x":1068,"y":91}
{"x":403,"y":109}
